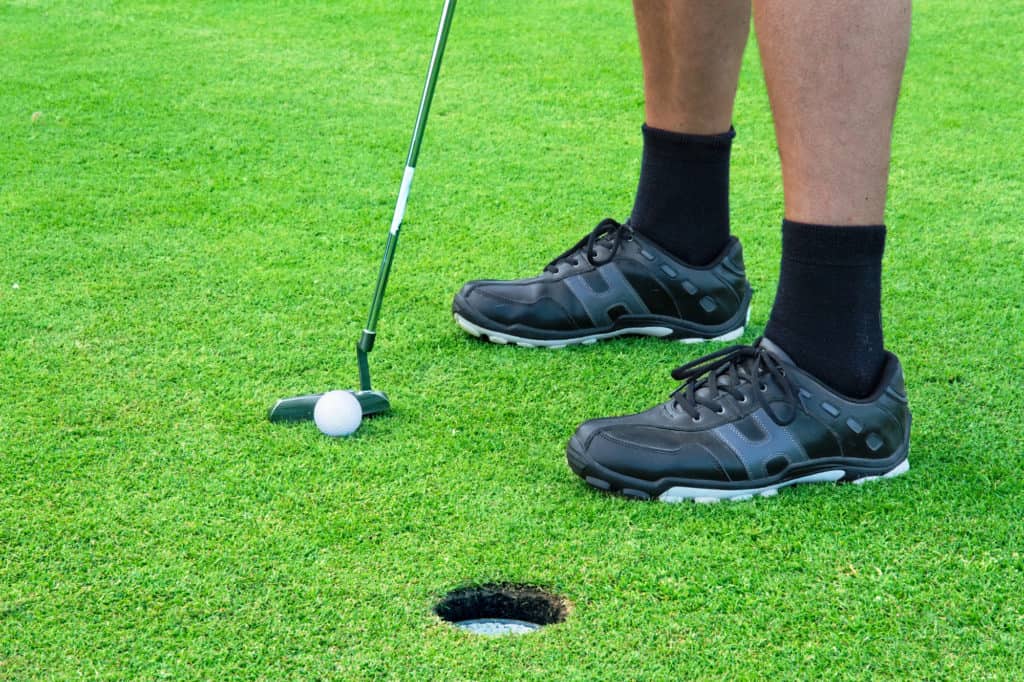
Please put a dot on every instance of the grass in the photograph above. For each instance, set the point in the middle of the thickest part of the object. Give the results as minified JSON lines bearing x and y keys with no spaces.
{"x":193,"y":200}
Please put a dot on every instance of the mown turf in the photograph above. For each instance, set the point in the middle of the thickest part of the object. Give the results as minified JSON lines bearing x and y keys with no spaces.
{"x":193,"y":199}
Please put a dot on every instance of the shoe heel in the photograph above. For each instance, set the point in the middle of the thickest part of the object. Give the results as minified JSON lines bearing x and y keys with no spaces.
{"x":728,"y":336}
{"x":898,"y":470}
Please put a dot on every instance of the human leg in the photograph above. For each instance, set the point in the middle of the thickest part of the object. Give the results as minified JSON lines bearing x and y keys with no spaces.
{"x":691,"y":53}
{"x":833,"y":71}
{"x":818,"y":399}
{"x":673,"y":271}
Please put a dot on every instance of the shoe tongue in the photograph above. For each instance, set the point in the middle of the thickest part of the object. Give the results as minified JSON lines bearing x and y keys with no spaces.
{"x":772,"y":348}
{"x":720,"y":379}
{"x":601,"y":249}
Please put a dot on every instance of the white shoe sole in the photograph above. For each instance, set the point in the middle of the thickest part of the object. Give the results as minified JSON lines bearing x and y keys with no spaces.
{"x":711,"y":495}
{"x":506,"y":339}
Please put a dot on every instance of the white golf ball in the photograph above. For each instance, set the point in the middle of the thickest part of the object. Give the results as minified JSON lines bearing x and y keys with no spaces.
{"x":337,"y":413}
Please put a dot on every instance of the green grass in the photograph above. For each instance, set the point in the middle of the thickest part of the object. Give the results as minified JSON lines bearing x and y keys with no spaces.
{"x":194,"y":219}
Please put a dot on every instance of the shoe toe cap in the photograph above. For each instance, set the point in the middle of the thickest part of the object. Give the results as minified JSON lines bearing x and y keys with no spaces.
{"x":493,"y":300}
{"x":645,"y":451}
{"x":520,"y":304}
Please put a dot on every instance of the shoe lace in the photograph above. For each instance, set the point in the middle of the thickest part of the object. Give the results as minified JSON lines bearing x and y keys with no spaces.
{"x":724,"y":372}
{"x":609,"y":232}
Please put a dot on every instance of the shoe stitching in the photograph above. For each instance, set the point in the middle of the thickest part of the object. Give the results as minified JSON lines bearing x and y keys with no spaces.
{"x":498,"y":297}
{"x":743,"y":462}
{"x":784,"y":431}
{"x":891,"y":415}
{"x":618,"y":441}
{"x":677,"y":451}
{"x":738,"y":296}
{"x":718,"y":462}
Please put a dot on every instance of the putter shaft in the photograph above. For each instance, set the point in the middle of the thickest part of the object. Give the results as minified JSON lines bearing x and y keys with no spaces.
{"x":375,"y":402}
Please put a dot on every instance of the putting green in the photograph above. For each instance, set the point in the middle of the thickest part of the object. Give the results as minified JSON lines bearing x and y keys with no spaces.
{"x":193,"y":202}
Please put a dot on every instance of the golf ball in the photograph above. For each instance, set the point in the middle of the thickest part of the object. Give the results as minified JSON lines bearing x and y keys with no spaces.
{"x":337,"y":413}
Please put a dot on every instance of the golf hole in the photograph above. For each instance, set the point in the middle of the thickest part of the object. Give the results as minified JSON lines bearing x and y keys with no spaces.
{"x":497,"y":609}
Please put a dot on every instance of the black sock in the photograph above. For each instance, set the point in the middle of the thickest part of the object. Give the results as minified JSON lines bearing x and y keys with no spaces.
{"x":828,"y":308}
{"x":682,"y":199}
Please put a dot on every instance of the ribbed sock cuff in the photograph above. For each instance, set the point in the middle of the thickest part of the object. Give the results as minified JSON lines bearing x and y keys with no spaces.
{"x":690,"y":147}
{"x":840,"y":245}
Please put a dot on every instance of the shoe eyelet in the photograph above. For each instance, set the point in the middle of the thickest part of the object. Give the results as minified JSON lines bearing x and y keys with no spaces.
{"x":764,"y":388}
{"x":720,"y":410}
{"x":575,"y":262}
{"x":697,"y":419}
{"x":742,"y":400}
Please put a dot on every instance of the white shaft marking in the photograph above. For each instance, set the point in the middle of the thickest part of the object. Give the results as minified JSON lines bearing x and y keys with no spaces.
{"x":403,"y":197}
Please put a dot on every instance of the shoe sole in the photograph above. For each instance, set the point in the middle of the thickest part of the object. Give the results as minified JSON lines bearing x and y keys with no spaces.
{"x":581,"y":466}
{"x":503,"y":339}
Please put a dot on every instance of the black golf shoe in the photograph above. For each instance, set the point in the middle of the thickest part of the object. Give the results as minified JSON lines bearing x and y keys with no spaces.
{"x":614,"y":282}
{"x":746,"y":422}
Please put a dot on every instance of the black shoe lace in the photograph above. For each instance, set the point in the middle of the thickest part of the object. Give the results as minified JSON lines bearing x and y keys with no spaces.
{"x":609,"y":231}
{"x":724,"y":372}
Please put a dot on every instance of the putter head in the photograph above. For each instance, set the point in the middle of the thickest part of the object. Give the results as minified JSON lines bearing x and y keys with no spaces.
{"x":300,"y":408}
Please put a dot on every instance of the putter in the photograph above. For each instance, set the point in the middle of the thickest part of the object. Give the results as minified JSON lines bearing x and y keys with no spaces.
{"x":373,"y":402}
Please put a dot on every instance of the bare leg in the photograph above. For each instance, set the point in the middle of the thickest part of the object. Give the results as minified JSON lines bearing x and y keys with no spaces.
{"x":833,"y":70}
{"x":691,"y":53}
